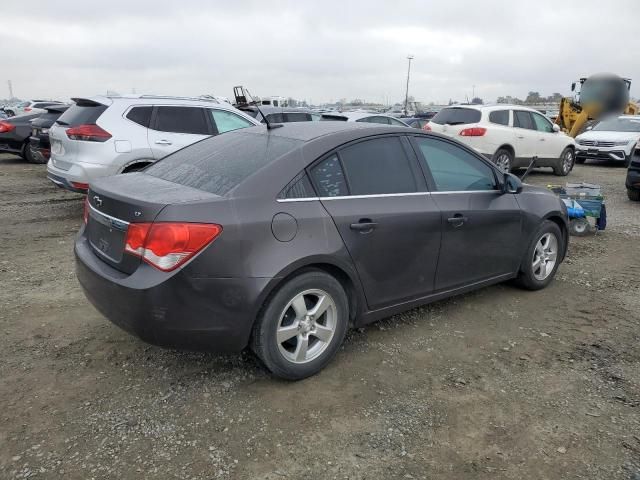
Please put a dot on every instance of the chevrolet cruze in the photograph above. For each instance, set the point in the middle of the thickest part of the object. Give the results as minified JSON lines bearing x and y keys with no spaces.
{"x":281,"y":239}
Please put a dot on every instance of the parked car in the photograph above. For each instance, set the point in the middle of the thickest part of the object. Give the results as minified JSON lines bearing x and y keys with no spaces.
{"x":509,"y":135}
{"x":366,"y":117}
{"x":633,"y":176}
{"x":281,"y":239}
{"x":610,"y":139}
{"x":30,"y":106}
{"x":14,"y":135}
{"x":39,"y":145}
{"x":278,"y":114}
{"x":3,"y":114}
{"x":108,"y":135}
{"x":416,"y":122}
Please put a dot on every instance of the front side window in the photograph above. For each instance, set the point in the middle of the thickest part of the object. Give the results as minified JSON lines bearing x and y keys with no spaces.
{"x":228,"y":121}
{"x":542,"y":124}
{"x":522,"y":119}
{"x":181,"y":120}
{"x":378,"y":166}
{"x":397,"y":123}
{"x":329,"y":178}
{"x":501,"y":117}
{"x":454,"y":169}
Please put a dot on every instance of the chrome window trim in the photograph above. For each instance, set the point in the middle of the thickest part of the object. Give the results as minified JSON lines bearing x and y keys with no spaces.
{"x":381,"y":195}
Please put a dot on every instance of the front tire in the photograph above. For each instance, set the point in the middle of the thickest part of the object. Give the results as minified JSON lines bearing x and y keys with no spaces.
{"x":302,"y":326}
{"x":633,"y":194}
{"x":565,"y":163}
{"x":542,"y":258}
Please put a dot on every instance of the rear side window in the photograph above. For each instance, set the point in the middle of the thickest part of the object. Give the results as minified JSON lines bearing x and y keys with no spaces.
{"x":181,"y":120}
{"x":218,"y":164}
{"x":299,"y":187}
{"x":378,"y":166}
{"x":501,"y":117}
{"x":275,"y":118}
{"x":329,"y":178}
{"x":140,"y":115}
{"x":81,"y":114}
{"x":456,"y":116}
{"x":228,"y":121}
{"x":522,"y":119}
{"x":376,"y":119}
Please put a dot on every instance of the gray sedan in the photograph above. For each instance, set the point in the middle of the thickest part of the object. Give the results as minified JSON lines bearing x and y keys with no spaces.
{"x":282,"y":239}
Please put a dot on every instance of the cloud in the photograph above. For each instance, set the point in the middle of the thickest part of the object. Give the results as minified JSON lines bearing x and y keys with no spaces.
{"x":315,"y":51}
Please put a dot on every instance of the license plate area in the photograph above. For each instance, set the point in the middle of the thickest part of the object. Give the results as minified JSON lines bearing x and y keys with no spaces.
{"x":593,"y":151}
{"x":107,"y":236}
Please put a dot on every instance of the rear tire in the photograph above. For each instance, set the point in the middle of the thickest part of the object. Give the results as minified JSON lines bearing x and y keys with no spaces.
{"x":31,"y":159}
{"x":565,"y":163}
{"x":503,"y":159}
{"x":542,"y":258}
{"x":579,"y":227}
{"x":292,"y":341}
{"x":633,"y":194}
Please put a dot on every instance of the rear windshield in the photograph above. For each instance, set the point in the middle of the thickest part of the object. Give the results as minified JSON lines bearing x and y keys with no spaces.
{"x":81,"y":115}
{"x":333,"y":118}
{"x":218,"y":164}
{"x":456,"y":116}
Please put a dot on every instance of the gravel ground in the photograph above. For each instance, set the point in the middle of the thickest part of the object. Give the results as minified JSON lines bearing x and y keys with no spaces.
{"x":500,"y":383}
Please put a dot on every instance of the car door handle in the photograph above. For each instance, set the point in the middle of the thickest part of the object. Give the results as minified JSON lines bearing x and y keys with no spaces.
{"x":457,"y":220}
{"x":519,"y":136}
{"x":364,"y":225}
{"x":163,"y":142}
{"x":542,"y":139}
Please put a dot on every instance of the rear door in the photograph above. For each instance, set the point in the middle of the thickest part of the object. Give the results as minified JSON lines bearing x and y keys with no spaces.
{"x":526,"y":134}
{"x":451,"y":120}
{"x":175,"y":127}
{"x":390,"y":225}
{"x":481,"y":227}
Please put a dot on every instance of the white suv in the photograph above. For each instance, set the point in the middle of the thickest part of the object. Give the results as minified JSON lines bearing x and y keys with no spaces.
{"x":30,"y":106}
{"x":610,"y":139}
{"x":107,"y":135}
{"x":508,"y":135}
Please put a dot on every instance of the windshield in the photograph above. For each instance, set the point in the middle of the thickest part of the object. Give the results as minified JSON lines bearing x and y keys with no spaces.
{"x":456,"y":116}
{"x":619,"y":125}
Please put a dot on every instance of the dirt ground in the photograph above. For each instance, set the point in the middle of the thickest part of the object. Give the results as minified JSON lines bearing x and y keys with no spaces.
{"x":500,"y":383}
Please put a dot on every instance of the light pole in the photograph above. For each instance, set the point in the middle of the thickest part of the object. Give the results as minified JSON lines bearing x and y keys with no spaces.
{"x":406,"y":95}
{"x":473,"y":94}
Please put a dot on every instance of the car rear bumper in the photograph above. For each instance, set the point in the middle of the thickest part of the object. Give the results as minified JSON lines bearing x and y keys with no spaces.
{"x":172,"y":310}
{"x":77,"y":175}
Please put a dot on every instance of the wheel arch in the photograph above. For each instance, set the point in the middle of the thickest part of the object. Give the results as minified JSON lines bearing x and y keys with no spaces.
{"x":135,"y":164}
{"x":564,"y":229}
{"x":508,"y":147}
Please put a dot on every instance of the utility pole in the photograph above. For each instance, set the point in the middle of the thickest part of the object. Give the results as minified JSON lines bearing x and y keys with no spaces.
{"x":473,"y":95}
{"x":406,"y":95}
{"x":10,"y":89}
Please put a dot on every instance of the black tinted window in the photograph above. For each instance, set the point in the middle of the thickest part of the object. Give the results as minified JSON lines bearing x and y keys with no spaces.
{"x":329,"y":178}
{"x":333,"y":118}
{"x":454,"y":169}
{"x":299,"y":187}
{"x":456,"y":116}
{"x":81,"y":115}
{"x":523,"y":119}
{"x":499,"y":116}
{"x":219,"y":163}
{"x":297,"y":117}
{"x":181,"y":120}
{"x":378,"y":166}
{"x":140,"y":115}
{"x":275,"y":118}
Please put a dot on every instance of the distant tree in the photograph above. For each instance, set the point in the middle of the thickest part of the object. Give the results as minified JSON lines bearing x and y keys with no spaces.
{"x":509,"y":99}
{"x":477,"y":101}
{"x":533,"y":97}
{"x":356,"y":102}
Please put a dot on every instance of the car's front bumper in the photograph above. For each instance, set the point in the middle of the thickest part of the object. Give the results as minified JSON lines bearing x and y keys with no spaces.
{"x":172,"y":309}
{"x":616,"y":154}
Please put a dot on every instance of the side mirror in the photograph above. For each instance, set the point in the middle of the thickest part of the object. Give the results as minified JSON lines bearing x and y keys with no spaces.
{"x":511,"y":184}
{"x":556,"y":128}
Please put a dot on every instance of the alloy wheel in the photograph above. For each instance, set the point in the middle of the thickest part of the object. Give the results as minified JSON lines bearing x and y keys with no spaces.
{"x":545,"y":256}
{"x":306,"y":326}
{"x":567,"y":161}
{"x":503,"y":162}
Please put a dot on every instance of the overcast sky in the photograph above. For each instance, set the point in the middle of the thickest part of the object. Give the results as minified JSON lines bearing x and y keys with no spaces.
{"x":315,"y":50}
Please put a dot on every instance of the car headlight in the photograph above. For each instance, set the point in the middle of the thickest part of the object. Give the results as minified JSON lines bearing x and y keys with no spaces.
{"x":622,"y":143}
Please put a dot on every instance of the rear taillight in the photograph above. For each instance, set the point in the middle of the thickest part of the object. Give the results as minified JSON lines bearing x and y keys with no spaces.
{"x":88,"y":133}
{"x":426,"y":127}
{"x":27,"y":109}
{"x":166,"y":246}
{"x":473,"y":132}
{"x":86,"y":210}
{"x":6,"y":127}
{"x":80,"y":185}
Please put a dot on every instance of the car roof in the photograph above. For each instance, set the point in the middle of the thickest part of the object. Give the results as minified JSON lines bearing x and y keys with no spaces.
{"x":155,"y":100}
{"x":269,"y":109}
{"x":308,"y":131}
{"x":492,"y":107}
{"x":356,"y":115}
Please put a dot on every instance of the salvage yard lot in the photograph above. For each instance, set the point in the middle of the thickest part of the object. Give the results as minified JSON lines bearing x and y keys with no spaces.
{"x":500,"y":383}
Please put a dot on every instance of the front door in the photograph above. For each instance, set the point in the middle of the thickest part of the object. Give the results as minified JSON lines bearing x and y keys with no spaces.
{"x":390,"y":225}
{"x":550,"y":144}
{"x":526,"y":135}
{"x":481,"y":227}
